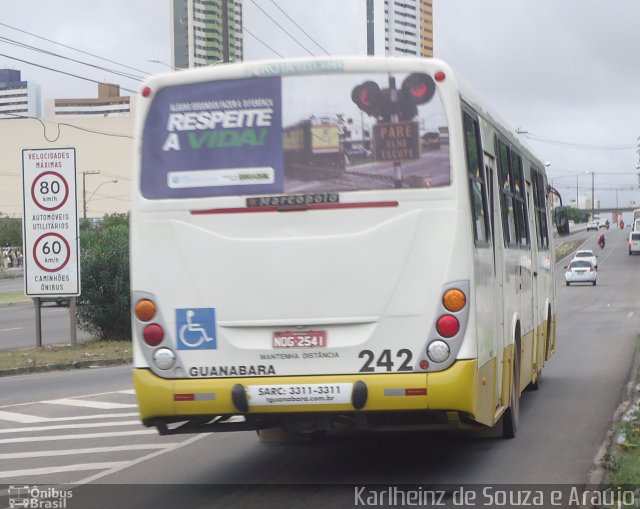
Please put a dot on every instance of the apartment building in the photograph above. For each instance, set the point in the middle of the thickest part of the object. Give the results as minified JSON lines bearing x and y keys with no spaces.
{"x":399,"y":27}
{"x":109,"y":103}
{"x":18,"y":98}
{"x":206,"y":32}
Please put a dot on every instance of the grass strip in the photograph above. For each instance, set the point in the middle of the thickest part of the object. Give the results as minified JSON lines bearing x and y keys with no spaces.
{"x":50,"y":357}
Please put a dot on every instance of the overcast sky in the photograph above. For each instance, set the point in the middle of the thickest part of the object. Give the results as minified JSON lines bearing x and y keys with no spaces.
{"x":565,"y":71}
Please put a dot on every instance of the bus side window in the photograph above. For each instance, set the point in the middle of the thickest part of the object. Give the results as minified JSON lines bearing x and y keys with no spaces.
{"x":540,"y":203}
{"x":477,"y":179}
{"x":522,"y":225}
{"x":507,"y":201}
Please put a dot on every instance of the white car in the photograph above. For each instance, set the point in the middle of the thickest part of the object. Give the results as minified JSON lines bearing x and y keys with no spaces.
{"x":634,"y":242}
{"x":586,"y":254}
{"x":592,"y":225}
{"x":580,"y":271}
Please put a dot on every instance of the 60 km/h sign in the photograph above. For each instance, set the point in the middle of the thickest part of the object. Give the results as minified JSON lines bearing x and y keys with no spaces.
{"x":50,"y":222}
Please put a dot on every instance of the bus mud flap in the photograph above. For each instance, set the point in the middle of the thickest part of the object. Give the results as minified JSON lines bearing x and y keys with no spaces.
{"x":239,"y":398}
{"x":359,"y":395}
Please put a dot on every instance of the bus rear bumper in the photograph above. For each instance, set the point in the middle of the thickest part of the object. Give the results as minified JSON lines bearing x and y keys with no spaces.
{"x":215,"y":403}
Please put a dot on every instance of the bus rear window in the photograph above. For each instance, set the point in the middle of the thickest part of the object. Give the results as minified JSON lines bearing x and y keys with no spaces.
{"x":315,"y":133}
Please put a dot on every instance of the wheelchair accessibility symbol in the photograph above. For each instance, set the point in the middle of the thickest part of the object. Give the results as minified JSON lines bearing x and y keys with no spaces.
{"x":196,"y":329}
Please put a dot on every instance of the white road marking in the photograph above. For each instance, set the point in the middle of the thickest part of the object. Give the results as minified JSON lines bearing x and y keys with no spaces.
{"x":130,"y":391}
{"x":71,"y":426}
{"x":91,"y":450}
{"x":114,"y":470}
{"x":30,"y":419}
{"x":103,"y":405}
{"x":630,"y":314}
{"x":65,"y":468}
{"x":21,"y":418}
{"x":55,"y":438}
{"x":12,"y":328}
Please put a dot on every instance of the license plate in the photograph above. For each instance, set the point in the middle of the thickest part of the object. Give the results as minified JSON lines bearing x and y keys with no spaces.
{"x":300,"y":339}
{"x":299,"y":394}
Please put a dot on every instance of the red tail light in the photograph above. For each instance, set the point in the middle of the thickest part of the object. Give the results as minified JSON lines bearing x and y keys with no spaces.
{"x":153,"y":334}
{"x":447,"y":326}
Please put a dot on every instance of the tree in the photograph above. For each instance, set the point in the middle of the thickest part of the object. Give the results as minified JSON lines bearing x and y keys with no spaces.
{"x":10,"y":231}
{"x":103,"y":306}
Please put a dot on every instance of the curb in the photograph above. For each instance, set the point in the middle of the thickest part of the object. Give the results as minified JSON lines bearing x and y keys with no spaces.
{"x":66,"y":367}
{"x":16,"y":303}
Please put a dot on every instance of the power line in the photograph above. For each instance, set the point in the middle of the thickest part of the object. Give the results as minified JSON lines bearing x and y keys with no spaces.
{"x":60,"y":124}
{"x":59,"y":71}
{"x":74,"y":49}
{"x":300,"y":28}
{"x":40,"y":50}
{"x":585,"y":146}
{"x":281,"y":28}
{"x":244,"y":29}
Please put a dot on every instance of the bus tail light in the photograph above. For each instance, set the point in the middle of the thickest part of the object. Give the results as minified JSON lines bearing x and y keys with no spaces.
{"x":145,"y":310}
{"x":447,"y":326}
{"x":454,"y":300}
{"x":164,"y":358}
{"x":438,"y":351}
{"x":153,"y":334}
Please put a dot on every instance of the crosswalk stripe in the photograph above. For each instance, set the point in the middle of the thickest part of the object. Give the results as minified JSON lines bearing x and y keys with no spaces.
{"x":21,"y":418}
{"x":55,"y":438}
{"x":103,"y":405}
{"x":91,"y":450}
{"x":63,"y":468}
{"x":70,"y":426}
{"x":29,"y":419}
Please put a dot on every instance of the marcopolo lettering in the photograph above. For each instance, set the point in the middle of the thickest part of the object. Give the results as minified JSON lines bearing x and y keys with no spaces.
{"x":293,"y":199}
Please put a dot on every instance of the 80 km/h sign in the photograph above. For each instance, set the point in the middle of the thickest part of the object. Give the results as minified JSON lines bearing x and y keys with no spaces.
{"x":50,"y":222}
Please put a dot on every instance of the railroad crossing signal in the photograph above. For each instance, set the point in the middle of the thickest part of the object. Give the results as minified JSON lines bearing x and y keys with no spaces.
{"x":417,"y":88}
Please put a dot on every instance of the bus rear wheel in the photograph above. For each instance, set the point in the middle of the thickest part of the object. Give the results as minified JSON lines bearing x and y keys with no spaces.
{"x":511,"y":417}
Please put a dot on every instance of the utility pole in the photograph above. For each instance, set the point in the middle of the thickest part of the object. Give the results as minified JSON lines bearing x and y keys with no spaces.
{"x":225,"y":31}
{"x":84,"y":191}
{"x":593,"y":203}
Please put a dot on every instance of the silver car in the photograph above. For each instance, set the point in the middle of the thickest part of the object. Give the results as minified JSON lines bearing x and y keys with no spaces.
{"x":580,"y":271}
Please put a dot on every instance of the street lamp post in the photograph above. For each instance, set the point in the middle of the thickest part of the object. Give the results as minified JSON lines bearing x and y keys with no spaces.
{"x":114,"y":181}
{"x":84,"y":191}
{"x":593,"y":173}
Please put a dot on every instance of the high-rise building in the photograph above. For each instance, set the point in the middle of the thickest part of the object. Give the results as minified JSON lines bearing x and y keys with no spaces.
{"x":399,"y":27}
{"x":18,"y":98}
{"x":109,"y":103}
{"x":205,"y":32}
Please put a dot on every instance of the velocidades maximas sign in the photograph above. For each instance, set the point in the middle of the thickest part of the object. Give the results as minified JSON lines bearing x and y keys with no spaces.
{"x":214,"y":139}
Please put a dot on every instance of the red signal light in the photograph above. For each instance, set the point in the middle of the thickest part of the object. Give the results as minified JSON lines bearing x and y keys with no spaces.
{"x":419,"y":87}
{"x":146,"y":91}
{"x":439,"y":76}
{"x":367,"y":97}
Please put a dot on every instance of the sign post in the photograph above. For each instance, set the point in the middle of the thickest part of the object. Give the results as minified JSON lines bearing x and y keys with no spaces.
{"x":50,"y":223}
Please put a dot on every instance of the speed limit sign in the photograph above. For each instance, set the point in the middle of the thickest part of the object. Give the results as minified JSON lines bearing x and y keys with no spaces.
{"x":50,"y":222}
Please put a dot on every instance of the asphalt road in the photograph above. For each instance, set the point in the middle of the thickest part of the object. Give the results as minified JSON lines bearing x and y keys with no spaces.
{"x":563,"y":426}
{"x":18,"y":321}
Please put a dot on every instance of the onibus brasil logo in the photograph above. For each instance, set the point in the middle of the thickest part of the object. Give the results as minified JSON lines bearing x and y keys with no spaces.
{"x":38,"y":498}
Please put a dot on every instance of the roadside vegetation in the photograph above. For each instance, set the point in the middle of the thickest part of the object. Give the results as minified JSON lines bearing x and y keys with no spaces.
{"x":103,"y":306}
{"x":57,"y":357}
{"x":622,"y":460}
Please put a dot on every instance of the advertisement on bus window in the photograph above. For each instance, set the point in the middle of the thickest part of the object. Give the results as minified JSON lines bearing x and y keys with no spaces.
{"x":295,"y":134}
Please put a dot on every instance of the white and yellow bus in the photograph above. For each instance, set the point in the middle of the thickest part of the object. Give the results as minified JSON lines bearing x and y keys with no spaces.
{"x":412,"y":289}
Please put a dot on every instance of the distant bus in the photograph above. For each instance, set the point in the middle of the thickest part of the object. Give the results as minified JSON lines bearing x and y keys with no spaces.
{"x":413,"y":293}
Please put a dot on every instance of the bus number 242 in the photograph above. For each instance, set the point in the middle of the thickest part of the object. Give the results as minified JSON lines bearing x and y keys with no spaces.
{"x":386,"y":361}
